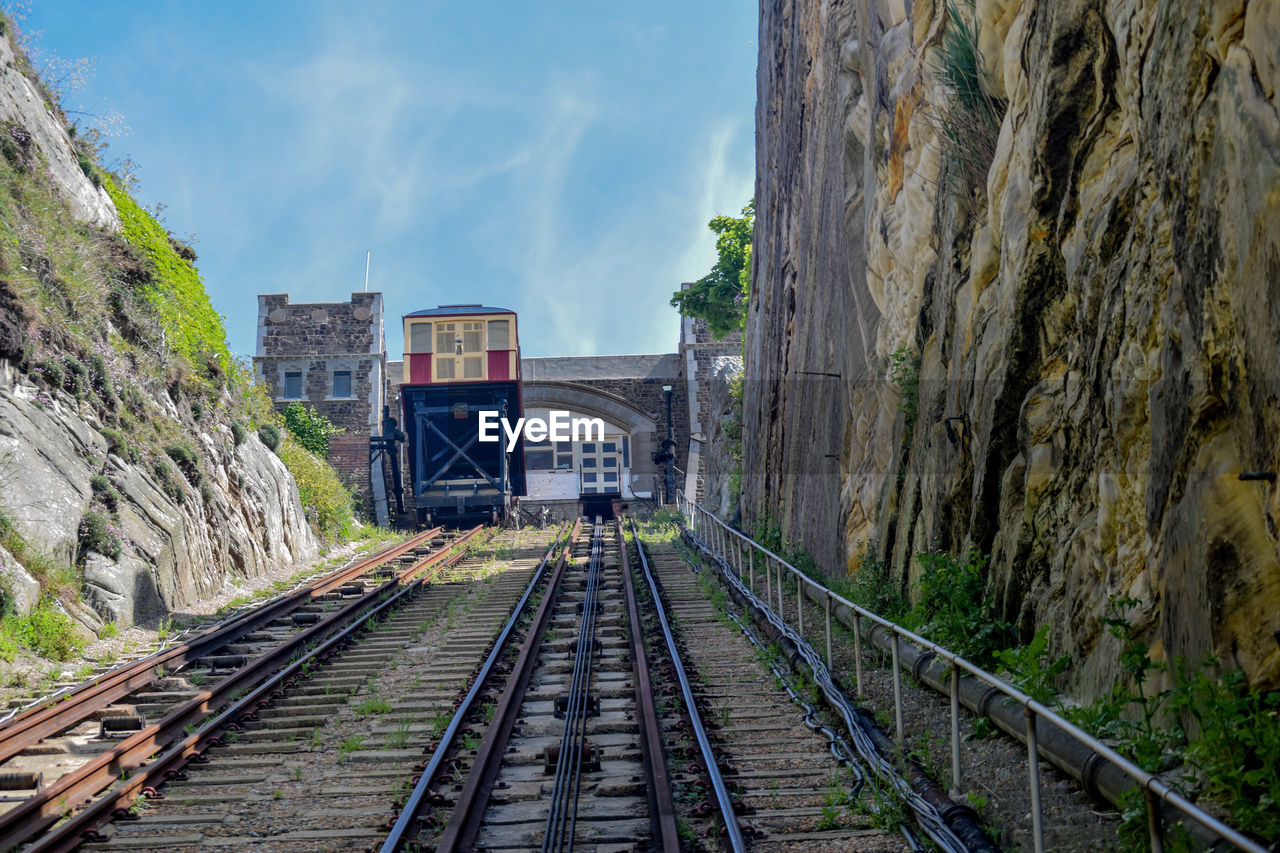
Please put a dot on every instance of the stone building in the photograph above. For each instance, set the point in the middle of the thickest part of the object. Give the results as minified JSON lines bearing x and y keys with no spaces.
{"x":331,"y":356}
{"x":702,"y":356}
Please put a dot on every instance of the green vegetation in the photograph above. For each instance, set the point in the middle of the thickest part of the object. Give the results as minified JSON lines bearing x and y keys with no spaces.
{"x":175,"y":290}
{"x":1032,"y":669}
{"x":310,"y":428}
{"x":47,"y":631}
{"x":954,"y":610}
{"x":99,"y":535}
{"x":270,"y":436}
{"x":969,"y":121}
{"x":104,"y":491}
{"x":238,"y":433}
{"x":320,"y":489}
{"x":720,"y":296}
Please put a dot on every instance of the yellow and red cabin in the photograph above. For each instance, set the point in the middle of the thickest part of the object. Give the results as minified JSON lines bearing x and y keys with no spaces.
{"x":461,"y":343}
{"x":460,"y":361}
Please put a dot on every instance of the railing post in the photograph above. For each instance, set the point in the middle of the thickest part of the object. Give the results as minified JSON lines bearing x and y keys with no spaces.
{"x":1033,"y":763}
{"x":955,"y":729}
{"x":897,"y":691}
{"x":780,"y":593}
{"x":751,"y":570}
{"x":768,"y":582}
{"x":800,"y":605}
{"x":828,"y":611}
{"x":1155,"y":826}
{"x":857,"y":652}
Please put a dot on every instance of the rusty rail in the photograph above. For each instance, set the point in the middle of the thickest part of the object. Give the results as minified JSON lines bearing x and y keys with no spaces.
{"x":421,"y":795}
{"x":36,"y":813}
{"x":661,"y":800}
{"x":464,"y":823}
{"x":73,"y":708}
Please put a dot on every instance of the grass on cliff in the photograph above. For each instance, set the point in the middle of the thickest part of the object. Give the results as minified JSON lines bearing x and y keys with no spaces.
{"x":969,"y":121}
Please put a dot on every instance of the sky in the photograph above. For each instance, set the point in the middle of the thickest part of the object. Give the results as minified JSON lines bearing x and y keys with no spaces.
{"x":561,"y":159}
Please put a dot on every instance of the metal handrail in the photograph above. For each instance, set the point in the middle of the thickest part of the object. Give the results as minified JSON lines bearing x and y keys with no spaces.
{"x":1154,"y":790}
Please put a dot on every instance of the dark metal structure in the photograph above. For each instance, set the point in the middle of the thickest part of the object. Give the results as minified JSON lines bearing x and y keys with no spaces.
{"x":454,"y":475}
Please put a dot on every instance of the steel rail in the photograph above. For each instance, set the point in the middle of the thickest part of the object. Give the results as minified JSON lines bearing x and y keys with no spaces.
{"x":562,"y":817}
{"x":661,"y":801}
{"x":710,"y":530}
{"x":30,"y":727}
{"x":723,"y":800}
{"x":419,"y":795}
{"x":464,"y":824}
{"x":45,"y":807}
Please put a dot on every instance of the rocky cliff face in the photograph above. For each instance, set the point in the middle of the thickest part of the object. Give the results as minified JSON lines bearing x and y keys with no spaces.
{"x":22,"y":104}
{"x":1097,"y":325}
{"x":174,"y":549}
{"x":233,"y":510}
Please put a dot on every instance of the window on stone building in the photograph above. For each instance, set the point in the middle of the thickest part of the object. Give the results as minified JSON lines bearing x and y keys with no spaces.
{"x":499,"y":334}
{"x":420,"y":337}
{"x":293,"y":386}
{"x":342,"y":383}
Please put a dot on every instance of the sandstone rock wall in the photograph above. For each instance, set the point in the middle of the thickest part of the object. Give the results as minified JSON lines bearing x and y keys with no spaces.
{"x":1100,"y":320}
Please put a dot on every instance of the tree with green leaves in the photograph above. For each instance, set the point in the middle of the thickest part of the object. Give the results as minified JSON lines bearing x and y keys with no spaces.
{"x":310,"y":428}
{"x":720,"y":296}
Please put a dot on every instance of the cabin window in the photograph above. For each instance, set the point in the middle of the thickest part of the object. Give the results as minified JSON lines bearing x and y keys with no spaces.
{"x":499,"y":334}
{"x":472,"y":368}
{"x":444,"y":368}
{"x":471,"y":337}
{"x":419,"y":337}
{"x":293,"y":386}
{"x":342,"y":383}
{"x":444,"y":338}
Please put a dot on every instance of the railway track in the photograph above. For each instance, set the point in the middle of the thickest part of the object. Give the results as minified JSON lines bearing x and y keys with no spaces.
{"x":574,"y":694}
{"x":109,"y":729}
{"x":319,"y":769}
{"x":789,"y":790}
{"x":562,"y":761}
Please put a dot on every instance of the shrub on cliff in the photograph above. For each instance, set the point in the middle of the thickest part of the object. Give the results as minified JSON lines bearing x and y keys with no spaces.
{"x":969,"y":121}
{"x":270,"y":436}
{"x":97,"y":534}
{"x":176,"y":292}
{"x":187,"y":460}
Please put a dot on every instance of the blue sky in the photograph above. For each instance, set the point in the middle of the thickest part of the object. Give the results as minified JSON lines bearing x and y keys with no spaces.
{"x":561,"y":159}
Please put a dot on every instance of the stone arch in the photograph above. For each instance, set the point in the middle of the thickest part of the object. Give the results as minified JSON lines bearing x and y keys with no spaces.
{"x":583,"y":399}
